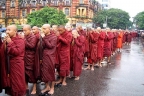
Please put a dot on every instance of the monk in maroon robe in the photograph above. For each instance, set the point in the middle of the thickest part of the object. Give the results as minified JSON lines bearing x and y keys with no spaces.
{"x":100,"y":45}
{"x":38,"y":52}
{"x":13,"y":68}
{"x":65,"y":39}
{"x":93,"y":48}
{"x":124,"y":38}
{"x":30,"y":44}
{"x":129,"y":38}
{"x":78,"y":53}
{"x":84,"y":33}
{"x":108,"y":45}
{"x":48,"y":61}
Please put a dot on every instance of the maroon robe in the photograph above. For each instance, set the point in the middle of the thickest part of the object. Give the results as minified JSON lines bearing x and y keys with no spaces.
{"x":49,"y":56}
{"x":38,"y":56}
{"x":129,"y":38}
{"x":64,"y":53}
{"x":93,"y":46}
{"x":114,"y":41}
{"x":16,"y":78}
{"x":78,"y":55}
{"x":100,"y":47}
{"x":82,"y":32}
{"x":30,"y":44}
{"x":108,"y":44}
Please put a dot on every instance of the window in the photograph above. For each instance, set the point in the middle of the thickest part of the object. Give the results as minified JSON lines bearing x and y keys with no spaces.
{"x":33,"y":2}
{"x":44,"y":2}
{"x":3,"y":14}
{"x":67,"y":11}
{"x":81,"y":1}
{"x":24,"y":3}
{"x":13,"y":3}
{"x":33,"y":10}
{"x":67,"y":2}
{"x":3,"y":6}
{"x":23,"y":13}
{"x":55,"y":2}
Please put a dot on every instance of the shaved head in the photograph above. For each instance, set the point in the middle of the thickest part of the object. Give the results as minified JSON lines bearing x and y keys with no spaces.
{"x":61,"y":29}
{"x":27,"y":26}
{"x":46,"y":25}
{"x":35,"y":29}
{"x":14,"y":27}
{"x":11,"y":30}
{"x":46,"y":29}
{"x":27,"y":29}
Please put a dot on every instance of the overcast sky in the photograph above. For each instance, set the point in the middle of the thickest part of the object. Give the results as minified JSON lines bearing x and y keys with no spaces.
{"x":131,"y":6}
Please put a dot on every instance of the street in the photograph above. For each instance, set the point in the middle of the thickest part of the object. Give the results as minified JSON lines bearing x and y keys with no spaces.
{"x":124,"y":77}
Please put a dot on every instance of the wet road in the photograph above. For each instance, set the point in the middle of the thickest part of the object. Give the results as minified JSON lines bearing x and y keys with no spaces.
{"x":124,"y":77}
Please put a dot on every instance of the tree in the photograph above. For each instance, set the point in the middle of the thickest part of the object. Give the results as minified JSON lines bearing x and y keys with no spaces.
{"x":47,"y":15}
{"x":114,"y":18}
{"x":139,"y":20}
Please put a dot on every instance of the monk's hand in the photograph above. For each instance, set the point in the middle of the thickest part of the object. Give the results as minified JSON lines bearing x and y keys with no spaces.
{"x":57,"y":33}
{"x":40,"y":61}
{"x":42,"y":35}
{"x":8,"y":40}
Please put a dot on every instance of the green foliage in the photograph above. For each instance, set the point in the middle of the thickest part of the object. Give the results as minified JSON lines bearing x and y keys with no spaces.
{"x":116,"y":18}
{"x":47,"y":15}
{"x":139,"y":20}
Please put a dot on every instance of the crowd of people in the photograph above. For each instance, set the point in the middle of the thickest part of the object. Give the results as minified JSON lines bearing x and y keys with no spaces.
{"x":42,"y":55}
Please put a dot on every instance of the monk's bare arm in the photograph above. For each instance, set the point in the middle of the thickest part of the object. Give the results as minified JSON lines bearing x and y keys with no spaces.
{"x":15,"y":48}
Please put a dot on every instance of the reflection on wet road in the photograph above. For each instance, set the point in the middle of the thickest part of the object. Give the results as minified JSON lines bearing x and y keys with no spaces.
{"x":124,"y":77}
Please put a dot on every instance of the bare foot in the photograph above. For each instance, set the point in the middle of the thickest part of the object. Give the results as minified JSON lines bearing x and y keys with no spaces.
{"x":51,"y":92}
{"x":92,"y":69}
{"x":46,"y":89}
{"x":100,"y":65}
{"x":88,"y":68}
{"x":57,"y":82}
{"x":64,"y":83}
{"x":33,"y":92}
{"x":76,"y":78}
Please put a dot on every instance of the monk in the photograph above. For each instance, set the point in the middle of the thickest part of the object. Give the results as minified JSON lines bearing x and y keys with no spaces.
{"x":65,"y":39}
{"x":38,"y":52}
{"x":93,"y":49}
{"x":100,"y":46}
{"x":119,"y":40}
{"x":129,"y":38}
{"x":48,"y":61}
{"x":124,"y":37}
{"x":30,"y":44}
{"x":108,"y":45}
{"x":78,"y":53}
{"x":13,"y":50}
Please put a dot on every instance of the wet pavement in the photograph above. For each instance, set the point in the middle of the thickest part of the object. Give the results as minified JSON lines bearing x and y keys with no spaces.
{"x":124,"y":77}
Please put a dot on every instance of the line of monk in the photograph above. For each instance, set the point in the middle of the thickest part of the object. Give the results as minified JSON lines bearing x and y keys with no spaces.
{"x":43,"y":55}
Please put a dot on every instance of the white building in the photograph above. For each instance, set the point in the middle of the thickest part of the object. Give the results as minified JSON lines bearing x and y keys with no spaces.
{"x":106,"y":4}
